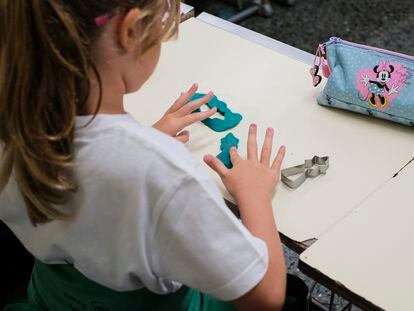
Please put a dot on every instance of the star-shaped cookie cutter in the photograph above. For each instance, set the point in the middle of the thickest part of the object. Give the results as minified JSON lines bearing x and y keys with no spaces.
{"x":312,"y":168}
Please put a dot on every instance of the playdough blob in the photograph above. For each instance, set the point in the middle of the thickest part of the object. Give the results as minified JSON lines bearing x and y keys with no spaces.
{"x":231,"y":119}
{"x":227,"y":142}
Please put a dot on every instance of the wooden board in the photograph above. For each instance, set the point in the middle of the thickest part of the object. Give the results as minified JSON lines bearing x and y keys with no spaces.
{"x":272,"y":89}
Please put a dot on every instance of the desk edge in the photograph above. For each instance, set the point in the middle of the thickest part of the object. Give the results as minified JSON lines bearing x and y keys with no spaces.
{"x":336,"y":287}
{"x":272,"y":44}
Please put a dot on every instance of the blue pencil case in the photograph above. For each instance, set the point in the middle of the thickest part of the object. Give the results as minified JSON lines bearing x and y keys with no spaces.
{"x":366,"y":80}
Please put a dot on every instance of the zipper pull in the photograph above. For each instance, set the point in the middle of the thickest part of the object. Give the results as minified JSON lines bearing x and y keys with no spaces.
{"x":326,"y":70}
{"x":316,"y":79}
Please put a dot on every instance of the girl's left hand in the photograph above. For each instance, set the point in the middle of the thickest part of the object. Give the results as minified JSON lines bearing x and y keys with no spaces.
{"x":180,"y":115}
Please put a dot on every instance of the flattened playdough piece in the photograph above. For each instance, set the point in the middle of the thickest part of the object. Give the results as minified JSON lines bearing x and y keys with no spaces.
{"x":231,"y":119}
{"x":227,"y":142}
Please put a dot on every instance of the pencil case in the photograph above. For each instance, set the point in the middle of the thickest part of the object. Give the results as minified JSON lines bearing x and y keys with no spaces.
{"x":364,"y":79}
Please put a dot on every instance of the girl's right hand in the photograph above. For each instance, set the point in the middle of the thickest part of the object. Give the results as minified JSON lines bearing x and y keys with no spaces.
{"x":254,"y":177}
{"x":181,"y":114}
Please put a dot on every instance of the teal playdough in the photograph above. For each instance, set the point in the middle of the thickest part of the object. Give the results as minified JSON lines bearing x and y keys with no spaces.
{"x":231,"y":119}
{"x":227,"y":142}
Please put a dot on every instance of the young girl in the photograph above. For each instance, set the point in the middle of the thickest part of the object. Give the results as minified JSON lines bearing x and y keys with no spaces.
{"x":119,"y":216}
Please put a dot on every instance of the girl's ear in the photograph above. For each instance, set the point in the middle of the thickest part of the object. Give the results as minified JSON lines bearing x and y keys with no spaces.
{"x":129,"y":30}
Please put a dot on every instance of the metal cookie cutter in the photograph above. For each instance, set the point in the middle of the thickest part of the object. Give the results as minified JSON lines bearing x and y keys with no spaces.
{"x":312,"y":168}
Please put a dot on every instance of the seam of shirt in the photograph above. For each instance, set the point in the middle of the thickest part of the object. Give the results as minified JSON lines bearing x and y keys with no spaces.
{"x":166,"y":199}
{"x":242,"y":275}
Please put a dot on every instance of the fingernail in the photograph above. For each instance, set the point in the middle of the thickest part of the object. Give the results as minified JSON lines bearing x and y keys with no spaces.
{"x":253,"y":125}
{"x":207,"y":158}
{"x":233,"y":149}
{"x":270,"y":130}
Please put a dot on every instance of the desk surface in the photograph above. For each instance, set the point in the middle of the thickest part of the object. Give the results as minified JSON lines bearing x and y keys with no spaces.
{"x":252,"y":36}
{"x":371,"y":251}
{"x":271,"y":89}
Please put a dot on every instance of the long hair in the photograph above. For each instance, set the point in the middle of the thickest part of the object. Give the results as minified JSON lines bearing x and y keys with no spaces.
{"x":45,"y":73}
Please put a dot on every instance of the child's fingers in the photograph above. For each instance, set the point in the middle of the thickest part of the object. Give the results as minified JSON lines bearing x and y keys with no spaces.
{"x":187,"y":95}
{"x":252,"y":143}
{"x":277,"y":162}
{"x":216,"y":165}
{"x":190,"y":107}
{"x":234,"y":156}
{"x":183,"y":137}
{"x":198,"y":116}
{"x":184,"y":98}
{"x":193,"y":88}
{"x":176,"y":105}
{"x":267,"y":147}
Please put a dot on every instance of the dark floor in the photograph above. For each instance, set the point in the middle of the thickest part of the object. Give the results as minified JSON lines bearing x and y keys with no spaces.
{"x":382,"y":23}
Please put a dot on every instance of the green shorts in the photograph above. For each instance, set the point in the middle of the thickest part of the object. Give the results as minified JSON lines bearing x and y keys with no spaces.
{"x":63,"y":288}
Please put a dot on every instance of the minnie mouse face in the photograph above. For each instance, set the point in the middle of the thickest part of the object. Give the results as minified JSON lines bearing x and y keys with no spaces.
{"x":383,"y":76}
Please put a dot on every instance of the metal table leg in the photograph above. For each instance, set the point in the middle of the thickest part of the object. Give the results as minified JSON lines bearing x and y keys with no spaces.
{"x":261,"y":7}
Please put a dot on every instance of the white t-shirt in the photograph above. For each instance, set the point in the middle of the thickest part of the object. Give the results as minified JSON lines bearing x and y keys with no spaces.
{"x":148,"y":216}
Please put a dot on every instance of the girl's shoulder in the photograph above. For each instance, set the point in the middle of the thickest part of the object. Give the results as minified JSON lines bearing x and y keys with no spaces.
{"x":122,"y":146}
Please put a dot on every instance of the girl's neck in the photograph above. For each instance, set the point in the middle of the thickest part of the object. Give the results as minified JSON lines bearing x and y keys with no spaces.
{"x":113,"y":90}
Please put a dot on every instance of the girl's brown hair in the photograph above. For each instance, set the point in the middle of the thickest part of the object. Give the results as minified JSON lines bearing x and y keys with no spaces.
{"x":45,"y":72}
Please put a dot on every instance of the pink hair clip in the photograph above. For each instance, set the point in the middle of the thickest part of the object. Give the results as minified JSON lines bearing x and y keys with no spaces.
{"x":100,"y":20}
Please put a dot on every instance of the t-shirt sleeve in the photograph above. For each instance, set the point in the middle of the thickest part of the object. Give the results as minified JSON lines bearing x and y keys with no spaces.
{"x":200,"y":243}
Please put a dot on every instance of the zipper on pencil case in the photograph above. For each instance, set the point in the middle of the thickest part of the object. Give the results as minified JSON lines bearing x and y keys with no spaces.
{"x":320,"y":59}
{"x":336,"y":40}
